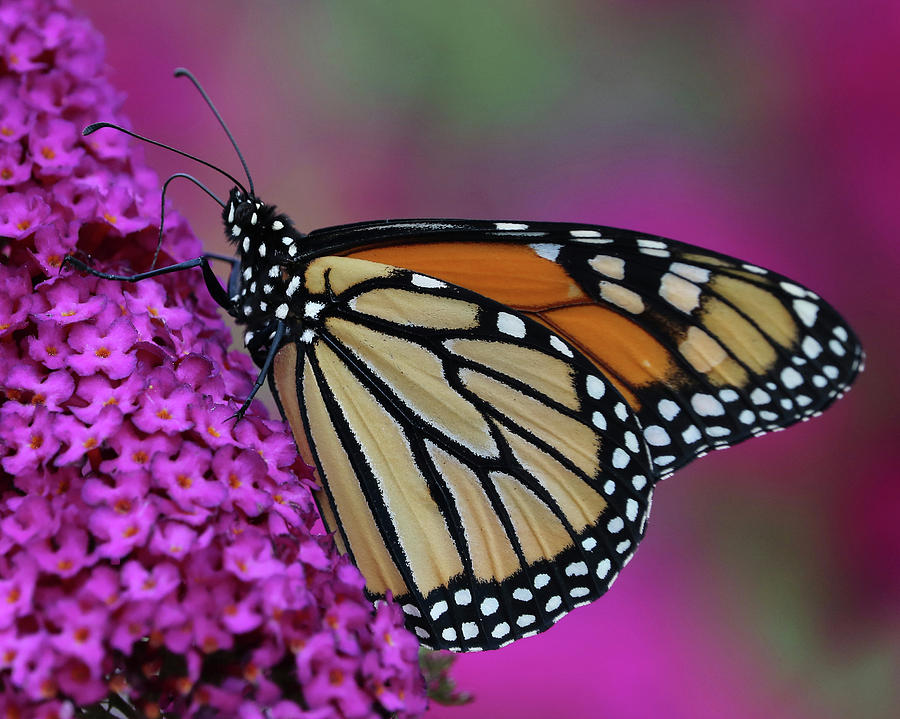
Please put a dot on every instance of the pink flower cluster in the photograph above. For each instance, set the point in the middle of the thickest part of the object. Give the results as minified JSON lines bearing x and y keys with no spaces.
{"x":150,"y":548}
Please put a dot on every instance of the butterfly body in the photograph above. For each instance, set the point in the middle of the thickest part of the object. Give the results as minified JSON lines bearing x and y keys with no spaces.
{"x":489,"y":404}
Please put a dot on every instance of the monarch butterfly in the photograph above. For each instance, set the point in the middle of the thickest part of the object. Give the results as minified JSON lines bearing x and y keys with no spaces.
{"x":490,"y":404}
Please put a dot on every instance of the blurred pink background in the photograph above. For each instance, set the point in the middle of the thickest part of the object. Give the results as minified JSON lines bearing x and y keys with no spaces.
{"x":769,"y":582}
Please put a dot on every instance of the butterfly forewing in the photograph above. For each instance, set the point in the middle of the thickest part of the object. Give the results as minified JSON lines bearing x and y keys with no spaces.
{"x":474,"y":464}
{"x":706,"y":349}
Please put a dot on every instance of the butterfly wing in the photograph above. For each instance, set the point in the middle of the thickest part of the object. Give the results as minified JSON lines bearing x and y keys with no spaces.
{"x":474,"y":464}
{"x":708,"y":350}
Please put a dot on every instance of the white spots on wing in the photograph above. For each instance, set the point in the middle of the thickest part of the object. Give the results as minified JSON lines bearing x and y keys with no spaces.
{"x":577,"y":592}
{"x":268,"y":289}
{"x":639,"y":481}
{"x":595,"y":387}
{"x":656,"y":436}
{"x":292,"y":250}
{"x":613,"y":267}
{"x":510,"y":225}
{"x":500,"y":631}
{"x":293,"y":286}
{"x":277,"y":225}
{"x":282,"y":311}
{"x":717,"y":431}
{"x":754,"y":269}
{"x":553,"y":603}
{"x":560,"y":346}
{"x":426,"y":282}
{"x":746,"y":417}
{"x":691,"y":434}
{"x":525,"y":620}
{"x":615,"y":525}
{"x":621,"y":297}
{"x":668,"y":409}
{"x":651,"y":244}
{"x":274,"y":271}
{"x":620,"y":458}
{"x":768,"y":416}
{"x":793,"y":289}
{"x":510,"y":325}
{"x":541,"y":581}
{"x":438,"y":608}
{"x":791,"y":378}
{"x":599,"y":420}
{"x":576,"y":569}
{"x":469,"y":630}
{"x":522,"y":594}
{"x":706,"y":405}
{"x":631,"y":441}
{"x":631,"y":509}
{"x":609,"y":487}
{"x":603,"y":568}
{"x":412,"y":610}
{"x":690,"y":272}
{"x":728,"y":395}
{"x":312,"y":309}
{"x":585,"y":234}
{"x":837,"y":348}
{"x":831,"y":372}
{"x":462,"y":597}
{"x":807,"y":311}
{"x":760,"y":396}
{"x":623,"y":546}
{"x":489,"y":606}
{"x":621,"y":411}
{"x":449,"y":634}
{"x":308,"y":336}
{"x":422,"y":633}
{"x":679,"y":293}
{"x":840,"y":333}
{"x":588,"y":543}
{"x":546,"y":250}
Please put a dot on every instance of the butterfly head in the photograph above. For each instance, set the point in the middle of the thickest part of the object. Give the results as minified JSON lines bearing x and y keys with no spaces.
{"x":261,"y":286}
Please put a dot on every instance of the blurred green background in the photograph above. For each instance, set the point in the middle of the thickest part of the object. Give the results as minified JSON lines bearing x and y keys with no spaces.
{"x":769,"y":582}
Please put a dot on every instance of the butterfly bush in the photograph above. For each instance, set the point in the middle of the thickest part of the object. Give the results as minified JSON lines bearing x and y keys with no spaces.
{"x":151,"y":549}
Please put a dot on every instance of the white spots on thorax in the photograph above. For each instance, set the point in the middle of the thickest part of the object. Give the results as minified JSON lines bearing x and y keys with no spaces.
{"x":620,"y":458}
{"x":807,"y":311}
{"x":690,"y":272}
{"x":510,"y":225}
{"x":235,"y":231}
{"x":248,"y":273}
{"x":510,"y":325}
{"x":668,"y":409}
{"x":308,"y":336}
{"x":679,"y":292}
{"x":292,"y":250}
{"x":253,"y":219}
{"x":426,"y":282}
{"x":621,"y":297}
{"x":274,"y":271}
{"x":613,"y":267}
{"x":277,"y":225}
{"x":706,"y":405}
{"x":246,"y":244}
{"x":262,"y":249}
{"x":560,"y":346}
{"x":281,"y":311}
{"x":253,"y":286}
{"x":231,"y":213}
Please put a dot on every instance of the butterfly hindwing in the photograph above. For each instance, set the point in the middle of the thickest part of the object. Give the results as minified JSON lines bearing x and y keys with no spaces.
{"x":474,"y":464}
{"x":708,"y":350}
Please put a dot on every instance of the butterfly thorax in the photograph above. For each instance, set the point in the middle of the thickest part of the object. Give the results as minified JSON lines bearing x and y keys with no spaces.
{"x":266,"y":284}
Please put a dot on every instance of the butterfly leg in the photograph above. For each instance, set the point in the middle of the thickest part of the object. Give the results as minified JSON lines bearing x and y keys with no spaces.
{"x":277,"y":338}
{"x":209,"y":277}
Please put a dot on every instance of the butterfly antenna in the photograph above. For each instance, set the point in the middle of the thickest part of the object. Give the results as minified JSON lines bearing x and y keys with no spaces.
{"x":162,"y":207}
{"x":183,"y":72}
{"x":94,"y":126}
